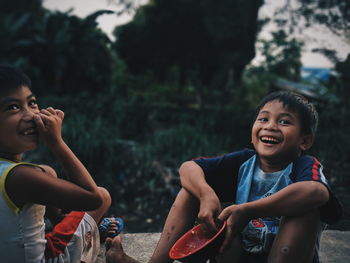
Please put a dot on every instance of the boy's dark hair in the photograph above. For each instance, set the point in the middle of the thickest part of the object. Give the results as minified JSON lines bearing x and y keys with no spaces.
{"x":12,"y":78}
{"x":295,"y":103}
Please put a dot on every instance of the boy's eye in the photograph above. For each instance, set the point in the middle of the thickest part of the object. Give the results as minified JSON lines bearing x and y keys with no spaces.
{"x":285,"y":122}
{"x":263,"y":119}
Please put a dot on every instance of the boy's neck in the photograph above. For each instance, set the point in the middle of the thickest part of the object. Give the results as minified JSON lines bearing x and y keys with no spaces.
{"x":271,"y":167}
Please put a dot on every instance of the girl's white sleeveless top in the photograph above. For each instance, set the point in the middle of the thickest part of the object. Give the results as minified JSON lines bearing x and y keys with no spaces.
{"x":22,"y":231}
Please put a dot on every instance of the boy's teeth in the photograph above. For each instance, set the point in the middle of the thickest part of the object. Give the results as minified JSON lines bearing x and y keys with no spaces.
{"x":269,"y":139}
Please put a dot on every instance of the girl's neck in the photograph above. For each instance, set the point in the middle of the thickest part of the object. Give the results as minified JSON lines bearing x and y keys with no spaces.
{"x":11,"y":157}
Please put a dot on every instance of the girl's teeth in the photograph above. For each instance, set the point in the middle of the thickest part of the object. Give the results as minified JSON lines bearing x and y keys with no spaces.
{"x":28,"y":132}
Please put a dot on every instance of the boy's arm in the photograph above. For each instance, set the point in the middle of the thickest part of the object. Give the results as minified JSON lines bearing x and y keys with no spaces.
{"x":293,"y":200}
{"x":193,"y":180}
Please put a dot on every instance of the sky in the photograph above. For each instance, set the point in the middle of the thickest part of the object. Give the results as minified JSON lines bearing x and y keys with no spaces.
{"x":107,"y":23}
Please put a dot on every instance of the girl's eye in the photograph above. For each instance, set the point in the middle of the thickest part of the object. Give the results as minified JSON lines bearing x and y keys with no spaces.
{"x":12,"y":107}
{"x":33,"y":103}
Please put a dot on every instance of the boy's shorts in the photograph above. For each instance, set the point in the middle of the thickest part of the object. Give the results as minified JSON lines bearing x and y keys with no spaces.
{"x":255,"y":243}
{"x":74,"y":239}
{"x":258,"y":235}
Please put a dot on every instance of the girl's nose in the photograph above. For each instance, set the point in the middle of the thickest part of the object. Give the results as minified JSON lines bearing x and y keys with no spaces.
{"x":28,"y":114}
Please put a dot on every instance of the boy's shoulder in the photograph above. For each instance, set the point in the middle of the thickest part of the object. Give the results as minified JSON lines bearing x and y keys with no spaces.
{"x":307,"y":167}
{"x":225,"y":163}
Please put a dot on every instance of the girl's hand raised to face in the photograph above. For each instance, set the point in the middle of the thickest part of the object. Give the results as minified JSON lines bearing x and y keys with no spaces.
{"x":49,"y":124}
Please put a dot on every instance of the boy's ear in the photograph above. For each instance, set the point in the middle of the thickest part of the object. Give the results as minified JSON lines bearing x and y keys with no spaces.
{"x":307,"y":142}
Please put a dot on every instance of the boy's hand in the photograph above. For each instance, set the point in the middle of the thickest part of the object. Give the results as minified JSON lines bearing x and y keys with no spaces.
{"x":210,"y":208}
{"x":49,"y":123}
{"x":237,"y":218}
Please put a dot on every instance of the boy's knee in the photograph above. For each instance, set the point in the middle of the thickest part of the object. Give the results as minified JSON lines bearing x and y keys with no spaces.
{"x":106,"y":197}
{"x":185,"y":200}
{"x":283,"y":254}
{"x":185,"y":196}
{"x":296,"y":238}
{"x":310,"y":218}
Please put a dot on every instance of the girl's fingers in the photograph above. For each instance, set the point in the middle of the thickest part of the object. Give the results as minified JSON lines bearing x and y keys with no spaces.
{"x":45,"y":118}
{"x":39,"y":122}
{"x":44,"y":111}
{"x":60,"y":114}
{"x":51,"y":110}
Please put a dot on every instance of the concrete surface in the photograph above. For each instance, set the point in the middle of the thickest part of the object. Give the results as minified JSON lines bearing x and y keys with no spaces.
{"x":334,"y":247}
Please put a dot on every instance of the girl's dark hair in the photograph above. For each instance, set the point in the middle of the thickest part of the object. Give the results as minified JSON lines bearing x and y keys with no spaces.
{"x":12,"y":78}
{"x":296,"y":103}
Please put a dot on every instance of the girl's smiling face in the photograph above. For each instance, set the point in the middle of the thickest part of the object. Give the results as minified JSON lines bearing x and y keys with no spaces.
{"x":17,"y":129}
{"x":276,"y":136}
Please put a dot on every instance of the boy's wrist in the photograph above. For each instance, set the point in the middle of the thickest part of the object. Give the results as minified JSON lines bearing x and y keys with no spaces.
{"x":206,"y":192}
{"x":250,"y":210}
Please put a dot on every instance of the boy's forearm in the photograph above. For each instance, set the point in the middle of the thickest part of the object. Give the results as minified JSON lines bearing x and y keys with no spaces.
{"x":295,"y":199}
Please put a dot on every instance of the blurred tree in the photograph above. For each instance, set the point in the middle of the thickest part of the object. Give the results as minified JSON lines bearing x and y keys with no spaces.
{"x":74,"y":55}
{"x":61,"y":52}
{"x":282,"y":55}
{"x":296,"y":15}
{"x":18,"y":23}
{"x":344,"y":91}
{"x":207,"y":43}
{"x":126,"y":6}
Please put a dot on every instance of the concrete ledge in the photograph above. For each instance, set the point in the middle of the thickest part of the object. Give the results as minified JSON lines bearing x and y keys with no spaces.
{"x":335,"y":246}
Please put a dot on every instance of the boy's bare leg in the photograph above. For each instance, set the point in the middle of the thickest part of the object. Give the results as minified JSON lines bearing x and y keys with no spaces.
{"x":180,"y":218}
{"x":233,"y":254}
{"x":296,"y":239}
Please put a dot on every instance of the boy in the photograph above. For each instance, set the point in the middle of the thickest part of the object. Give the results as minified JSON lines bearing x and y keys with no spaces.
{"x":280,"y":196}
{"x":25,"y":189}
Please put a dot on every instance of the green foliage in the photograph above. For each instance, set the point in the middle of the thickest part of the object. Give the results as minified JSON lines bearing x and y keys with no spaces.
{"x":344,"y":88}
{"x":332,"y":145}
{"x":298,"y":15}
{"x":282,"y":55}
{"x":215,"y":47}
{"x":61,"y":52}
{"x":335,"y":15}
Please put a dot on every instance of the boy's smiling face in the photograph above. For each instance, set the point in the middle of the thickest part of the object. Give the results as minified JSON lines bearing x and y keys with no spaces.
{"x":17,"y":130}
{"x":277,"y":138}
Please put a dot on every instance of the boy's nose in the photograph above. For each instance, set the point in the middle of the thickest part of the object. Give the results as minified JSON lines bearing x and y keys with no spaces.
{"x":271,"y":125}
